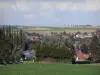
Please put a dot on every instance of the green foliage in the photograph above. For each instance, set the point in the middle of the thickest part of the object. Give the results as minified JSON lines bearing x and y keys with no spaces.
{"x":53,"y":51}
{"x":95,"y":48}
{"x":84,"y":48}
{"x":11,"y":42}
{"x":55,"y":47}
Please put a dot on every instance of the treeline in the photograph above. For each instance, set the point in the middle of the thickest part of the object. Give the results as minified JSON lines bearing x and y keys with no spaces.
{"x":12,"y":40}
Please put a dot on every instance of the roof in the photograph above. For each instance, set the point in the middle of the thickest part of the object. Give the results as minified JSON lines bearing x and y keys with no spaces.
{"x":81,"y":55}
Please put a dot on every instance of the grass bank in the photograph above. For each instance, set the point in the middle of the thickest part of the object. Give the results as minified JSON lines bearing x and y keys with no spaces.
{"x":49,"y":69}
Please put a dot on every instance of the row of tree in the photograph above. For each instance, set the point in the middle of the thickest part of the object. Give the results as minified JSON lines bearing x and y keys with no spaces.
{"x":12,"y":40}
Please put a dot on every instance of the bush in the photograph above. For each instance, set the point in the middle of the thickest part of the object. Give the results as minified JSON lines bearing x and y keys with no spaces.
{"x":59,"y":53}
{"x":82,"y":62}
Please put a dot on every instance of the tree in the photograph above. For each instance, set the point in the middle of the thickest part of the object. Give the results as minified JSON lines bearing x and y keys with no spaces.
{"x":69,"y":44}
{"x":95,"y":48}
{"x":53,"y":51}
{"x":78,"y":32}
{"x":11,"y":43}
{"x":85,"y":33}
{"x":64,"y":33}
{"x":98,"y":30}
{"x":84,"y":48}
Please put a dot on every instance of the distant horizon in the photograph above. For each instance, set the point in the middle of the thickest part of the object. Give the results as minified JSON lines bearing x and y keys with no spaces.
{"x":52,"y":25}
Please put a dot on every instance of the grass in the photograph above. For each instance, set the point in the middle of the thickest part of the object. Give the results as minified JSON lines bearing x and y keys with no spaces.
{"x":58,"y":29}
{"x":69,"y":28}
{"x":49,"y":69}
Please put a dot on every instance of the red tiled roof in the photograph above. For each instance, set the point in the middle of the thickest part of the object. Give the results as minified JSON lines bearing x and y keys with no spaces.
{"x":81,"y":55}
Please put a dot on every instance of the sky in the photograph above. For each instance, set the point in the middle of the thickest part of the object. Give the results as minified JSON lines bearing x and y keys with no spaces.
{"x":49,"y":12}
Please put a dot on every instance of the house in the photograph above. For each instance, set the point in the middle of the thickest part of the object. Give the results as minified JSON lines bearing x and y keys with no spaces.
{"x":79,"y":36}
{"x":80,"y":56}
{"x":88,"y":35}
{"x":32,"y":36}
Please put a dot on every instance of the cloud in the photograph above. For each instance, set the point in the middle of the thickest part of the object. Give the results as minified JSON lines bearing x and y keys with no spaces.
{"x":21,"y":6}
{"x":87,"y":5}
{"x":29,"y":15}
{"x":46,"y":10}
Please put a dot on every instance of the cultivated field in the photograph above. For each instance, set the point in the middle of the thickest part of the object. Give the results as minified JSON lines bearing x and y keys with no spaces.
{"x":60,"y":29}
{"x":49,"y":69}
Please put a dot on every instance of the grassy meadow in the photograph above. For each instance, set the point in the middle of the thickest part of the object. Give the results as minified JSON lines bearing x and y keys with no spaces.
{"x":49,"y":69}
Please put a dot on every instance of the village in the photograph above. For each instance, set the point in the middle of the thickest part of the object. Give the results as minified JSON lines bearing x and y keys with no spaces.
{"x":79,"y":40}
{"x":75,"y":45}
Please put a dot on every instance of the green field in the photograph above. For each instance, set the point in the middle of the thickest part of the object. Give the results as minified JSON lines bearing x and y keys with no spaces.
{"x":59,"y":29}
{"x":49,"y":69}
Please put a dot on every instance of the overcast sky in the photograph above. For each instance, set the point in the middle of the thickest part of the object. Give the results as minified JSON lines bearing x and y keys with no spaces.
{"x":49,"y":12}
